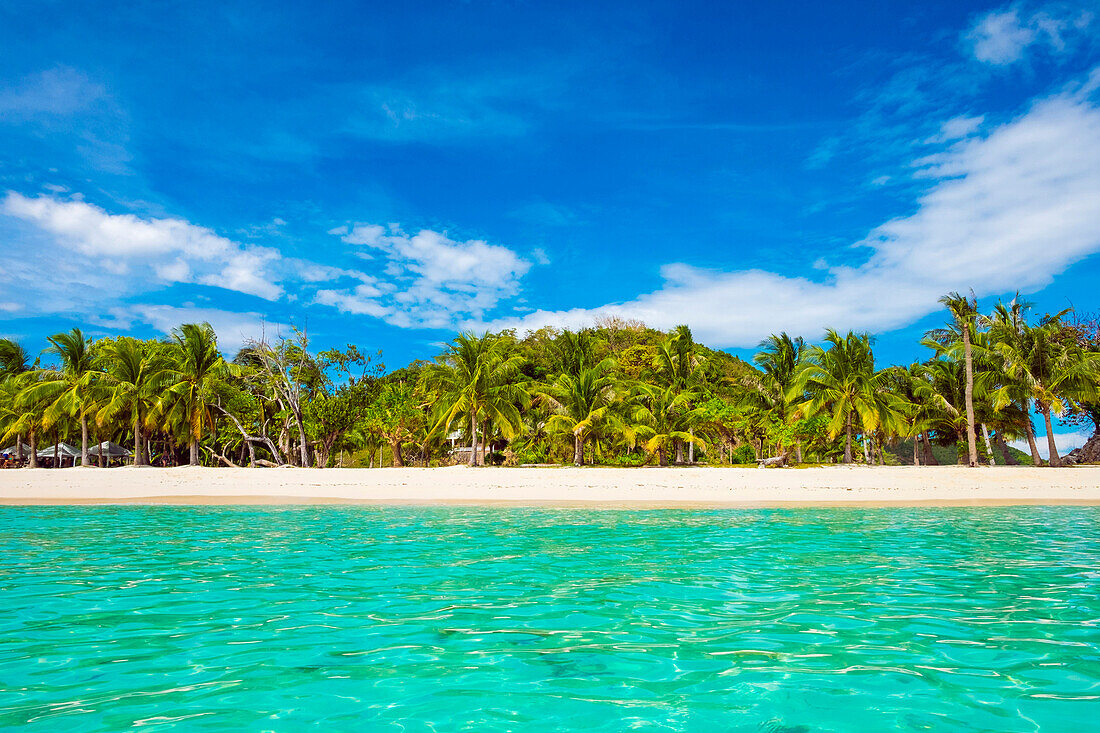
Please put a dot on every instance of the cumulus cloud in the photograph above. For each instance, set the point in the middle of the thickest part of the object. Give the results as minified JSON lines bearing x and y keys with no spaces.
{"x":84,"y":237}
{"x":1005,"y":211}
{"x":1001,"y":37}
{"x":233,"y":329}
{"x":428,"y":279}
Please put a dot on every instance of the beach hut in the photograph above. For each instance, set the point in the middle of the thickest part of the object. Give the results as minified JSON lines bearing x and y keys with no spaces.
{"x":8,"y":456}
{"x":61,"y":451}
{"x":12,"y":449}
{"x":110,"y":450}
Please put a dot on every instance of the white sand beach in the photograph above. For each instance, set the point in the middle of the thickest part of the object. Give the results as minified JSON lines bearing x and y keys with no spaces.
{"x":644,"y":487}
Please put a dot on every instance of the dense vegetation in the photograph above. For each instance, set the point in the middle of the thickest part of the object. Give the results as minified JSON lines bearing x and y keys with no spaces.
{"x":618,"y":393}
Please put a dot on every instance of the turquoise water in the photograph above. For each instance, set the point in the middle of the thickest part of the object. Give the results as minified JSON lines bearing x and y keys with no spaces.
{"x":409,"y":619}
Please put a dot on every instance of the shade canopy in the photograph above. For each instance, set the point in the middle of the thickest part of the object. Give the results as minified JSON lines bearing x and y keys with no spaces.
{"x":12,"y":449}
{"x":64,"y":450}
{"x":109,"y":449}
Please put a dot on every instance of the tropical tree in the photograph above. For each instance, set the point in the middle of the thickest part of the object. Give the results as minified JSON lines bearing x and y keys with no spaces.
{"x":964,"y":315}
{"x":579,"y":404}
{"x":660,"y":419}
{"x":475,"y":380}
{"x":768,"y":388}
{"x":194,"y":366}
{"x":132,"y":372}
{"x":841,"y":382}
{"x":396,"y":416}
{"x":70,"y":389}
{"x":15,"y":363}
{"x":1008,"y":330}
{"x":1053,"y":369}
{"x":679,"y":367}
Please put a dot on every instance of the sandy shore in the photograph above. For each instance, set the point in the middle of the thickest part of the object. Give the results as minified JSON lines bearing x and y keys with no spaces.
{"x":834,"y":485}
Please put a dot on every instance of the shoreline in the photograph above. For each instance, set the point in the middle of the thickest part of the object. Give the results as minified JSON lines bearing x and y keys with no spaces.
{"x":565,"y":487}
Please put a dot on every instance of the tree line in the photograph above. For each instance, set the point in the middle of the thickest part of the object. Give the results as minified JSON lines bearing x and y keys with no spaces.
{"x":618,"y":393}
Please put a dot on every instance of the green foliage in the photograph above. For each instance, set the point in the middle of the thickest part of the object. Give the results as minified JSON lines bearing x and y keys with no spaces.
{"x":617,"y":393}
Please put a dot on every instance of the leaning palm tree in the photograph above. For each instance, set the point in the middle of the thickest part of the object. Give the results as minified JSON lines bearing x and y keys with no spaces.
{"x":69,"y":391}
{"x":132,"y":373}
{"x":475,"y":380}
{"x":1053,"y":369}
{"x":841,"y":382}
{"x":194,"y":367}
{"x":579,"y":404}
{"x":1007,"y":333}
{"x":964,"y":316}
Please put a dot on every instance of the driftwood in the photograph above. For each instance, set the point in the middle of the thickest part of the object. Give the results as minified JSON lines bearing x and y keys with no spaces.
{"x":780,"y":460}
{"x":226,"y":461}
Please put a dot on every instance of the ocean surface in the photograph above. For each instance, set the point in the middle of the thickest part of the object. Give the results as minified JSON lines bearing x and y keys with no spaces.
{"x":445,"y":619}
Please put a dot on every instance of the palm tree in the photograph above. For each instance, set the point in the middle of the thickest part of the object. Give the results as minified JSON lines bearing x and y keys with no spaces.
{"x":1055,"y":372}
{"x":1007,"y":328}
{"x":964,"y":314}
{"x":662,"y":418}
{"x":475,"y":380}
{"x":132,"y":372}
{"x":842,"y":382}
{"x":195,"y":364}
{"x":678,"y":367}
{"x":579,"y":404}
{"x":768,"y":389}
{"x":70,"y":390}
{"x":14,"y":363}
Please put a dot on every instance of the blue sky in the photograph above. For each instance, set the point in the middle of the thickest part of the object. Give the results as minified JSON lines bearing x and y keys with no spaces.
{"x":386,"y":174}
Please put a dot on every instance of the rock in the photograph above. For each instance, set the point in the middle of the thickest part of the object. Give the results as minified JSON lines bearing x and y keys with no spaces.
{"x":1090,"y":451}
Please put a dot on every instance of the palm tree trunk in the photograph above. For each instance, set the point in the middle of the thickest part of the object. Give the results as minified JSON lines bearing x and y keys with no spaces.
{"x":1036,"y":460}
{"x":679,"y":450}
{"x":1003,"y":447}
{"x":137,"y":439}
{"x":1054,"y":460}
{"x":398,"y":459}
{"x":473,"y":438}
{"x":988,"y":446}
{"x":929,"y":456}
{"x":19,"y":448}
{"x":84,"y":440}
{"x":848,"y":440}
{"x":33,"y":458}
{"x":971,"y":438}
{"x":194,"y":448}
{"x":916,"y":450}
{"x":578,"y":450}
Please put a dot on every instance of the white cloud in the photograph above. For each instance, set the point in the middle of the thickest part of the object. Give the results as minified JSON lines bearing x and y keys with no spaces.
{"x":1001,"y":37}
{"x":233,"y":329}
{"x":1005,"y":211}
{"x":1064,"y":441}
{"x":147,"y":251}
{"x":432,"y":280}
{"x":957,"y":128}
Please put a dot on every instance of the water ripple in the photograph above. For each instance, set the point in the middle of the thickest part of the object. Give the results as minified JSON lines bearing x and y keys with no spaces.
{"x":351,"y":618}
